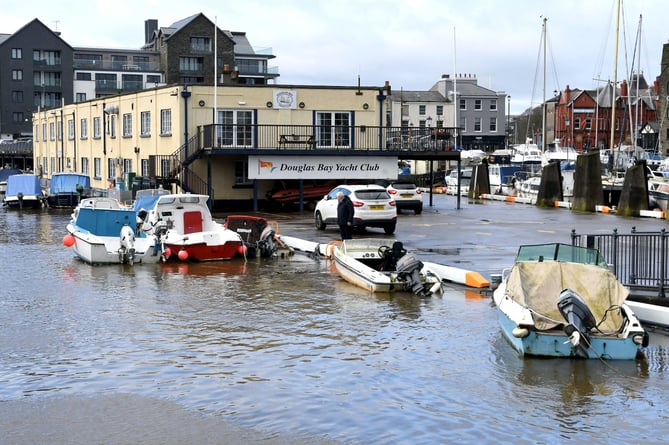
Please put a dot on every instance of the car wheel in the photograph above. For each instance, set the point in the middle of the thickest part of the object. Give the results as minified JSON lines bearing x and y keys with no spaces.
{"x":320,"y":225}
{"x":389,"y":229}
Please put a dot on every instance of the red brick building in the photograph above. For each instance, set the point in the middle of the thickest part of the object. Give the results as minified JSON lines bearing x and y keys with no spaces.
{"x":583,"y":118}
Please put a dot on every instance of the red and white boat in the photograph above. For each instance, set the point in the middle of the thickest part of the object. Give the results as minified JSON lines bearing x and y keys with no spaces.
{"x":185,"y":228}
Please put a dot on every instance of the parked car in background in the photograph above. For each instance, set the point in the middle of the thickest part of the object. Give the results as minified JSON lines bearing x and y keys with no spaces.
{"x":406,"y":196}
{"x":372,"y":204}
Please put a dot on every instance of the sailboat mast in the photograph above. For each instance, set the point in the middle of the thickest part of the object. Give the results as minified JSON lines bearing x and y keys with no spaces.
{"x":615,"y":81}
{"x":543,"y":109}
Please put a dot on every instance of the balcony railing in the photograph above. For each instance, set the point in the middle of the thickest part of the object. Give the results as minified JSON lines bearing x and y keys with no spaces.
{"x":325,"y":137}
{"x":116,"y":65}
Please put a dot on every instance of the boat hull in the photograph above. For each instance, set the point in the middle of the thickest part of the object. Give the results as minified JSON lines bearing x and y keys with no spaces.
{"x":102,"y":250}
{"x":555,"y":343}
{"x":28,"y":202}
{"x":202,"y":251}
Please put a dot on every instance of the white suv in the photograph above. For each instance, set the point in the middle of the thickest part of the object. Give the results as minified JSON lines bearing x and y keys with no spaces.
{"x":406,"y":196}
{"x":373,"y":207}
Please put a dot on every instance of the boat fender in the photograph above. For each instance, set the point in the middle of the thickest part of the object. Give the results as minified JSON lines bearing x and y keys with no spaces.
{"x":519,"y":332}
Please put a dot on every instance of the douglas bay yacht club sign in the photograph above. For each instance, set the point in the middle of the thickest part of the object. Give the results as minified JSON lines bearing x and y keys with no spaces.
{"x":324,"y":167}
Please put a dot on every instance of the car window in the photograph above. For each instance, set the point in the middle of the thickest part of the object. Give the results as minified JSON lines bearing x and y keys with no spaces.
{"x":404,"y":186}
{"x":372,"y":194}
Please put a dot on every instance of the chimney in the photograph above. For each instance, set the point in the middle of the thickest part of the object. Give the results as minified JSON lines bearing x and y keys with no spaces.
{"x":150,"y":26}
{"x":567,"y":95}
{"x":623,"y":90}
{"x":445,"y":76}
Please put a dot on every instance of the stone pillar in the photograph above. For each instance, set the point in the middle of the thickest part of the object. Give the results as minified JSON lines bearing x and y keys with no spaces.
{"x":550,"y":188}
{"x":480,"y":182}
{"x":588,"y":182}
{"x":634,"y":196}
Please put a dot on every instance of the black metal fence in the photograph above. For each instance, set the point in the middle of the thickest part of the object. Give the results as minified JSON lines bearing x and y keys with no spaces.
{"x":638,"y":259}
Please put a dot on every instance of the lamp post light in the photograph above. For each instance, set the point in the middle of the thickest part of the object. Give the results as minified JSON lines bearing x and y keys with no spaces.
{"x":508,"y":120}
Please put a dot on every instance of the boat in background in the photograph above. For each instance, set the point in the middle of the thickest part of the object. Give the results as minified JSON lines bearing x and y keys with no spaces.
{"x":24,"y":191}
{"x":4,"y":174}
{"x":257,"y":233}
{"x":102,"y":231}
{"x":381,"y":265}
{"x":560,"y":300}
{"x":67,"y":189}
{"x":526,"y":154}
{"x":186,"y":228}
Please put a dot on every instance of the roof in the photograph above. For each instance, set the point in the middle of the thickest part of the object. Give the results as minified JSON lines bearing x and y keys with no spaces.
{"x":36,"y":22}
{"x":419,"y":96}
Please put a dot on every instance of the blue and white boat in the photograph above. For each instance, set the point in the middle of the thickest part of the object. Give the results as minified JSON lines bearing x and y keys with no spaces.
{"x":560,"y":300}
{"x":68,"y":189}
{"x":24,"y":191}
{"x":102,"y":231}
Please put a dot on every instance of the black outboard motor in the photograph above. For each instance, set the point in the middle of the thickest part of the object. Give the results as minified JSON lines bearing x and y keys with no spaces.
{"x":408,"y":269}
{"x":579,"y":318}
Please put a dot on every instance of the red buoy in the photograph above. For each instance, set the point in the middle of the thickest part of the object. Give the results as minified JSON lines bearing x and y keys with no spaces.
{"x":183,"y":255}
{"x":167,"y":252}
{"x":68,"y":240}
{"x":242,"y":249}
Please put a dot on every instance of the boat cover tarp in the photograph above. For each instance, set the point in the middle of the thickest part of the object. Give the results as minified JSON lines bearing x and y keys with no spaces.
{"x":67,"y":183}
{"x":537,"y":285}
{"x":27,"y":184}
{"x":7,"y":172}
{"x":105,"y":222}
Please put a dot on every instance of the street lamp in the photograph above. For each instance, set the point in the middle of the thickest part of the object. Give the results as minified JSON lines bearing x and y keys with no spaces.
{"x":508,"y":119}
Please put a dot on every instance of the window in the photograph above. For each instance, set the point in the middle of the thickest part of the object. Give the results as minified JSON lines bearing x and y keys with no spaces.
{"x":84,"y":166}
{"x":83,"y":124}
{"x":477,"y":124}
{"x":111,"y":168}
{"x":145,"y":123}
{"x":127,"y":125}
{"x":421,"y":110}
{"x":97,"y":170}
{"x":588,"y":123}
{"x":200,"y":44}
{"x":84,"y":76}
{"x":235,"y":129}
{"x":112,"y":126}
{"x":145,"y":167}
{"x":44,"y":132}
{"x":119,"y":62}
{"x":577,"y":123}
{"x":191,"y":64}
{"x":440,"y":110}
{"x":493,"y":105}
{"x":52,"y":131}
{"x":241,"y":172}
{"x":463,"y":104}
{"x":45,"y":164}
{"x":142,"y":62}
{"x":17,"y":96}
{"x":59,"y":130}
{"x":51,"y":79}
{"x":333,"y":129}
{"x":70,"y":129}
{"x":478,"y":105}
{"x":493,"y":124}
{"x":36,"y":134}
{"x":152,"y":79}
{"x":17,"y":53}
{"x":17,"y":74}
{"x":17,"y":116}
{"x":166,"y":122}
{"x":96,"y":128}
{"x":463,"y":124}
{"x":127,"y":165}
{"x":165,"y":168}
{"x":81,"y":97}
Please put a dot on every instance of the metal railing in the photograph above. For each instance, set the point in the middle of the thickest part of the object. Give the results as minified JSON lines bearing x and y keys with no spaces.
{"x":326,"y":137}
{"x":638,"y":259}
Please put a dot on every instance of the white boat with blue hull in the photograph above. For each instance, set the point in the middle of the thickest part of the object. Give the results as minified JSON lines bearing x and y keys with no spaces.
{"x":560,"y":300}
{"x":104,"y":232}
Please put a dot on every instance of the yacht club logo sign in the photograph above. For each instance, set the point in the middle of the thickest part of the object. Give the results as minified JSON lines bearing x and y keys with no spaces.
{"x":327,"y":167}
{"x":285,"y":99}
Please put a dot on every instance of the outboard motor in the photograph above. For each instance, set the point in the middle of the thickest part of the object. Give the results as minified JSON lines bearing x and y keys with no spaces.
{"x":126,"y":253}
{"x":579,"y":318}
{"x":267,"y":244}
{"x":408,"y":268}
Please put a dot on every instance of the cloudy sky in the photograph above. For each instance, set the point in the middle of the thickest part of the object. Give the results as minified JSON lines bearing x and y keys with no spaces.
{"x":410,"y":43}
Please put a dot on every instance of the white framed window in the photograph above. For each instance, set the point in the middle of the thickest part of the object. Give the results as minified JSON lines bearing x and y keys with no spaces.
{"x":127,"y":125}
{"x":111,"y":168}
{"x":145,"y":123}
{"x":83,"y":128}
{"x":478,"y":106}
{"x":52,"y":131}
{"x":333,"y":129}
{"x":145,"y":167}
{"x":96,"y":128}
{"x":463,"y":104}
{"x":463,"y":124}
{"x":477,"y":124}
{"x":166,"y":122}
{"x":493,"y":104}
{"x":235,"y":128}
{"x":97,"y":168}
{"x":493,"y":124}
{"x":85,"y":166}
{"x":70,"y":129}
{"x":112,"y":126}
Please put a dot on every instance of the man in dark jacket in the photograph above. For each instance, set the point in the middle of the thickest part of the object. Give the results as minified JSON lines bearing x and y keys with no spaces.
{"x":345,"y":216}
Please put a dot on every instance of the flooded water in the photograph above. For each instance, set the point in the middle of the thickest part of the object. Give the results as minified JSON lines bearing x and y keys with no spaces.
{"x":283,"y":351}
